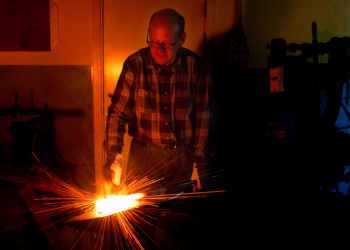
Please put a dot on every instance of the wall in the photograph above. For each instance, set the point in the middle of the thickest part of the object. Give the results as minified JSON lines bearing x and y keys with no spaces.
{"x":57,"y":83}
{"x":74,"y":23}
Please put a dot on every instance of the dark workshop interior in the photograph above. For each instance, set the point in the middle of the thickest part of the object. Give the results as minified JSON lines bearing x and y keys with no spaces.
{"x":280,"y":129}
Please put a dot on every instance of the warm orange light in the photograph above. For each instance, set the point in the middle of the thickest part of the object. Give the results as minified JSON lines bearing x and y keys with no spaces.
{"x":116,"y":204}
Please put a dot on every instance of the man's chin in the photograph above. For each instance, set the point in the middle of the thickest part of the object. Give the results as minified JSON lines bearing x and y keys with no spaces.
{"x":161,"y":61}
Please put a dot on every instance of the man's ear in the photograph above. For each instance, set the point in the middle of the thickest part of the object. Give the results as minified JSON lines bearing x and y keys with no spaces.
{"x":183,"y":38}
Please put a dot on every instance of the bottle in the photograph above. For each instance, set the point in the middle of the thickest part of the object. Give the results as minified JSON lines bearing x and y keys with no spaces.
{"x":238,"y":49}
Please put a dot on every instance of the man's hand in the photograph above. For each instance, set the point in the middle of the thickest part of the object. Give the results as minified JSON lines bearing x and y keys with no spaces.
{"x":116,"y":169}
{"x":195,"y":177}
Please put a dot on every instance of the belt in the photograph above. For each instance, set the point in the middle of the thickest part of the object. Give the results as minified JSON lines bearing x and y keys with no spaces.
{"x":162,"y":146}
{"x":167,"y":146}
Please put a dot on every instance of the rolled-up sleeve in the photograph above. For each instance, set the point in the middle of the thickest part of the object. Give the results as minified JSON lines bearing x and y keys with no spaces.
{"x":120,"y":111}
{"x":202,"y":116}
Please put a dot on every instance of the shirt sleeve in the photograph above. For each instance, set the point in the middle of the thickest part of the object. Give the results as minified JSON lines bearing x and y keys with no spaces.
{"x":202,"y":117}
{"x":120,"y":111}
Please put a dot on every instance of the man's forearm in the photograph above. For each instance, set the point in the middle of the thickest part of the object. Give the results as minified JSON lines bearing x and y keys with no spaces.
{"x":202,"y":120}
{"x":115,"y":130}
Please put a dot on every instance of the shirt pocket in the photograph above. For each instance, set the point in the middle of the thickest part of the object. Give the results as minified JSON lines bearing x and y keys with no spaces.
{"x":146,"y":101}
{"x":183,"y":101}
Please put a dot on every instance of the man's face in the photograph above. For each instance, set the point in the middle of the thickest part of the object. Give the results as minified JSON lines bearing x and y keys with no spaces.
{"x":165,"y":34}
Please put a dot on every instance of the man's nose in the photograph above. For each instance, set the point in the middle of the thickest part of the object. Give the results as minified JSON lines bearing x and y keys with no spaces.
{"x":161,"y":47}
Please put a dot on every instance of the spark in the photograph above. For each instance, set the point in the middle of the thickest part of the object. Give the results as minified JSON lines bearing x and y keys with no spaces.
{"x":125,"y":220}
{"x":115,"y":221}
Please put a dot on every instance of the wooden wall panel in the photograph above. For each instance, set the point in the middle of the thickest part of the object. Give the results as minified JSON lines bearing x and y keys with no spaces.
{"x":63,"y":94}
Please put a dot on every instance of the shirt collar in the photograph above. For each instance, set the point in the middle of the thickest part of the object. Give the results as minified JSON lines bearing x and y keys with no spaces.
{"x":179,"y":60}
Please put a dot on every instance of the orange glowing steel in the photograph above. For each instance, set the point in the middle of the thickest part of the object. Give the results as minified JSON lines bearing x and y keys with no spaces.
{"x":117,"y":203}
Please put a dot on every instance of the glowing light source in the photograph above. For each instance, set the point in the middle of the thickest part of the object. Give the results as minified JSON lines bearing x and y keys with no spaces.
{"x":116,"y":204}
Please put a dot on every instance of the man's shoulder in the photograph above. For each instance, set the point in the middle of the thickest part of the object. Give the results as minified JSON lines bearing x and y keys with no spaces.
{"x":138,"y":56}
{"x":189,"y":53}
{"x":135,"y":62}
{"x":191,"y":57}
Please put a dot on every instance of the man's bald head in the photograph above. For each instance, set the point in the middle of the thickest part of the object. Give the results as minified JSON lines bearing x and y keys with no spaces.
{"x":166,"y":27}
{"x":168,"y":18}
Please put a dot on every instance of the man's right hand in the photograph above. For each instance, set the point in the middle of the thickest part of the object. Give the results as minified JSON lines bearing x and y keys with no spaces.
{"x":116,"y":169}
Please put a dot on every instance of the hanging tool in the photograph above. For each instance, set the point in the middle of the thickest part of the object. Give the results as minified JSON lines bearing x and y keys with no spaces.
{"x":205,"y":29}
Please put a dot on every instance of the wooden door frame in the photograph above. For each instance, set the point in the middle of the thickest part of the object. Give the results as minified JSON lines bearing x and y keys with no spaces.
{"x":97,"y":81}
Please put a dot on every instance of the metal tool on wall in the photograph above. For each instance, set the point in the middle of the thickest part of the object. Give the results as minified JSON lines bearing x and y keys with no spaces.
{"x":315,"y":95}
{"x":205,"y":28}
{"x":338,"y":67}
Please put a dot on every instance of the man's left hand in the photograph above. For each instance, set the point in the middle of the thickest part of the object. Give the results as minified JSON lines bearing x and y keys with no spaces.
{"x":195,"y":177}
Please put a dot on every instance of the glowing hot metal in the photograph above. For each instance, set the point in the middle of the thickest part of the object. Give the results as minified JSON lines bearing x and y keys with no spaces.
{"x":115,"y":204}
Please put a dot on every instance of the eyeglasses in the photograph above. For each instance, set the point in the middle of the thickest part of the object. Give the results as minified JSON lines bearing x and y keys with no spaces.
{"x":163,"y":45}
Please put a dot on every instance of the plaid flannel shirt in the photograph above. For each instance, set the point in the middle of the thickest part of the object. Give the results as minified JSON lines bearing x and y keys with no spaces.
{"x":177,"y":112}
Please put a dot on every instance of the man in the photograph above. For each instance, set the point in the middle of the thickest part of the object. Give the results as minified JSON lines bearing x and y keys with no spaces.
{"x":162,"y":95}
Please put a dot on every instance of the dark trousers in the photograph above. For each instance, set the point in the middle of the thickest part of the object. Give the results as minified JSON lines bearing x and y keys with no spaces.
{"x":173,"y":166}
